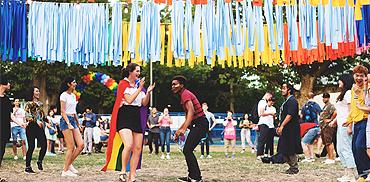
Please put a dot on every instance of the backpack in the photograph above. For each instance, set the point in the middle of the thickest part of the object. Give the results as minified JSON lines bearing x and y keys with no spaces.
{"x":254,"y":117}
{"x":309,"y":112}
{"x":275,"y":159}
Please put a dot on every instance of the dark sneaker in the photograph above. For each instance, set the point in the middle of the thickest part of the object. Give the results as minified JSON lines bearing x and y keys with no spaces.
{"x":183,"y":179}
{"x":29,"y":170}
{"x":292,"y":171}
{"x":39,"y":165}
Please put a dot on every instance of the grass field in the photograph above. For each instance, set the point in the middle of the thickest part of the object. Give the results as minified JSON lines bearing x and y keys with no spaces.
{"x":244,"y":168}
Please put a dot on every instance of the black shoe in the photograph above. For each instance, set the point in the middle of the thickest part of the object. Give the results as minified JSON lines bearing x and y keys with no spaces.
{"x":29,"y":170}
{"x":292,"y":171}
{"x":89,"y":153}
{"x":39,"y":165}
{"x":317,"y":155}
{"x":183,"y":179}
{"x":83,"y":153}
{"x":100,"y":152}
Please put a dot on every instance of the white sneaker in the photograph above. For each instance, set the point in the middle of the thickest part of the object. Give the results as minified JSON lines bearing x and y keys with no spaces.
{"x":329,"y":161}
{"x":202,"y":157}
{"x":73,"y":169}
{"x":162,"y":157}
{"x":24,"y":157}
{"x":50,"y":154}
{"x":253,"y":151}
{"x":168,"y":156}
{"x":209,"y":157}
{"x":337,"y":159}
{"x":242,"y":152}
{"x":15,"y":157}
{"x":68,"y":173}
{"x":346,"y":178}
{"x":259,"y":157}
{"x":307,"y":160}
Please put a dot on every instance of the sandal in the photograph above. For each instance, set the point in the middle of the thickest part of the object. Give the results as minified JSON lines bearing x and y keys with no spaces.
{"x":123,"y":177}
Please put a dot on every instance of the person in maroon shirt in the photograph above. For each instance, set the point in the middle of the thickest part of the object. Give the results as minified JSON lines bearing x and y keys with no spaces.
{"x":196,"y":121}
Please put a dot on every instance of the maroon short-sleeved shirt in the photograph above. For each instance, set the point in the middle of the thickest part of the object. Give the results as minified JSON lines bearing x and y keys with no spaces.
{"x":186,"y":95}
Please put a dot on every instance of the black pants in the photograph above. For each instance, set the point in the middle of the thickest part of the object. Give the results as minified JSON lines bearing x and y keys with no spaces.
{"x":153,"y":138}
{"x":2,"y":150}
{"x":292,"y":160}
{"x":33,"y":131}
{"x":264,"y":139}
{"x":205,"y":142}
{"x":270,"y":142}
{"x":198,"y":129}
{"x":98,"y":147}
{"x":52,"y":150}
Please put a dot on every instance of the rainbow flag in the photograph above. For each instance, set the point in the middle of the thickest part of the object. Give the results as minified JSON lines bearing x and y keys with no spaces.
{"x":115,"y":145}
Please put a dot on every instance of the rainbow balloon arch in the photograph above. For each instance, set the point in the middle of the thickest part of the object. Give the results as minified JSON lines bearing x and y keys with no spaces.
{"x":102,"y":78}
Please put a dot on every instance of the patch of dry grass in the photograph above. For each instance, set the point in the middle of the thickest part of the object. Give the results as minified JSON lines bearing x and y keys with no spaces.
{"x":244,"y":168}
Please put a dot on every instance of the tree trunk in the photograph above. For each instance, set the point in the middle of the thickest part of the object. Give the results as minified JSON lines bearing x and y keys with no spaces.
{"x":307,"y":84}
{"x":232,"y":99}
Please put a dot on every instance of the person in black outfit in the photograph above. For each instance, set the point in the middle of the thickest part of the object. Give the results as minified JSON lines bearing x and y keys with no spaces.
{"x":6,"y":116}
{"x":35,"y":130}
{"x":289,"y":130}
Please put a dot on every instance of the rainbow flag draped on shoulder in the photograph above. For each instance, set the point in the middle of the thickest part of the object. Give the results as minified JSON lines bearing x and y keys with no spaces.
{"x":115,"y":145}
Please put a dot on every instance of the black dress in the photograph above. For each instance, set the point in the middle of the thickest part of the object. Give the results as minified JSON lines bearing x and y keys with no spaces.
{"x":6,"y":109}
{"x":290,"y":140}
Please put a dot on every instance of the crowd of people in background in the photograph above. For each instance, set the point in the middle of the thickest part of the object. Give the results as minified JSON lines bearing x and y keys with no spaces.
{"x":339,"y":130}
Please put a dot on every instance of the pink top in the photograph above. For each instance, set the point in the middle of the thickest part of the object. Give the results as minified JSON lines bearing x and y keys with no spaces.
{"x":165,"y":122}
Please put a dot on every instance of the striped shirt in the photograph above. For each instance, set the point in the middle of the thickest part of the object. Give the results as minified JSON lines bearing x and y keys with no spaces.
{"x":186,"y":95}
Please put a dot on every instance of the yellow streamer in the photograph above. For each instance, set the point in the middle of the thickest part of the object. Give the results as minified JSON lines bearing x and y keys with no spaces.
{"x":169,"y":51}
{"x":163,"y":35}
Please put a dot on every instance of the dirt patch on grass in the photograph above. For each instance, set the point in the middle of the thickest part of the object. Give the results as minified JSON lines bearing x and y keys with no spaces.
{"x":244,"y":168}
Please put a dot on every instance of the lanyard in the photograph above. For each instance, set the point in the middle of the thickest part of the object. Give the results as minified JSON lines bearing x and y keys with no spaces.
{"x":282,"y":106}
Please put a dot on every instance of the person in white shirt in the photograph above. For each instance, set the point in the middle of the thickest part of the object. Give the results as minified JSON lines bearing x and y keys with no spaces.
{"x":344,"y":140}
{"x":128,"y":123}
{"x":50,"y":132}
{"x":211,"y":124}
{"x":19,"y":130}
{"x":70,"y":126}
{"x":266,"y":127}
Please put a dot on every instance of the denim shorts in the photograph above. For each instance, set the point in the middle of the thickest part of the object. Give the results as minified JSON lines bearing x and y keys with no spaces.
{"x":17,"y":130}
{"x":311,"y":135}
{"x":63,"y":123}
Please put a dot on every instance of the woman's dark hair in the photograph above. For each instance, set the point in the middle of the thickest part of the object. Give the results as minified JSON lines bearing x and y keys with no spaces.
{"x":51,"y":109}
{"x":347,"y":81}
{"x":31,"y":91}
{"x":64,"y":87}
{"x":129,"y":68}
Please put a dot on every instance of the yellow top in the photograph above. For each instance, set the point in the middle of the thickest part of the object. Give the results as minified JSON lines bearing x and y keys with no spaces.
{"x":244,"y":122}
{"x":355,"y":114}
